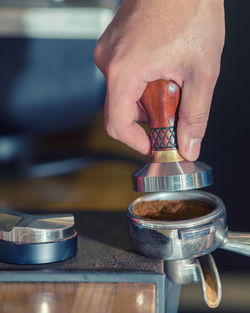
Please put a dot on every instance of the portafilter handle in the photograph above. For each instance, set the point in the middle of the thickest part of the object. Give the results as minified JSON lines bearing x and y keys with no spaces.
{"x":160,"y":101}
{"x":237,"y":242}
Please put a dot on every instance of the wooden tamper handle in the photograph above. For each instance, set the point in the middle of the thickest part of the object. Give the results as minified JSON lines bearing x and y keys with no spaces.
{"x":160,"y":101}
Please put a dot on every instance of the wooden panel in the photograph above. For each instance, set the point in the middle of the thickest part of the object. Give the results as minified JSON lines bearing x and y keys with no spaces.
{"x":77,"y":298}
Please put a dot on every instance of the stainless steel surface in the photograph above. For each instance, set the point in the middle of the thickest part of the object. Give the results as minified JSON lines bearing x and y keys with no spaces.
{"x":206,"y":267}
{"x":237,"y":242}
{"x":189,"y":271}
{"x":183,"y":272}
{"x":173,"y":293}
{"x":178,"y":240}
{"x":24,"y":228}
{"x":172,"y":176}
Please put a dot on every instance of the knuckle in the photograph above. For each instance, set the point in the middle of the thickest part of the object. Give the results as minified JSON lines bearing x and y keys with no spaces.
{"x":111,"y":131}
{"x":195,"y":118}
{"x":97,"y":53}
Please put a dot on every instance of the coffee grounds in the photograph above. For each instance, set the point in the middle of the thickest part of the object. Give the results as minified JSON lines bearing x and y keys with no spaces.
{"x":171,"y":210}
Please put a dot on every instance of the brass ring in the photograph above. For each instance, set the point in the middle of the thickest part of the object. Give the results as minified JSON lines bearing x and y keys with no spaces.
{"x":166,"y":156}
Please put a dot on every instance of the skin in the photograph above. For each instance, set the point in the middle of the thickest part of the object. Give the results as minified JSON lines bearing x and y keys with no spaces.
{"x":161,"y":39}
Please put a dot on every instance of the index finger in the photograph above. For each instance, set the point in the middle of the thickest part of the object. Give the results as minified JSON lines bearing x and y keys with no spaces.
{"x":123,"y":92}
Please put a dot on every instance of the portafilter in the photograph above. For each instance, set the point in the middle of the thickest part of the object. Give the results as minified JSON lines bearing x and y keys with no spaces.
{"x":186,"y":245}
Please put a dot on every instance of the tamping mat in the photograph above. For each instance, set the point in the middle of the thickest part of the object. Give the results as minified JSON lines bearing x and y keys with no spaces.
{"x":103,"y":246}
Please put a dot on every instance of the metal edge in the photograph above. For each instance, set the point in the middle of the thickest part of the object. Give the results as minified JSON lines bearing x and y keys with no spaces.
{"x":29,"y":253}
{"x":221,"y":210}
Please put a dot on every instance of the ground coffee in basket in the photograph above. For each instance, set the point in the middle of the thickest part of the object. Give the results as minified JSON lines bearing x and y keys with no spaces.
{"x":171,"y":210}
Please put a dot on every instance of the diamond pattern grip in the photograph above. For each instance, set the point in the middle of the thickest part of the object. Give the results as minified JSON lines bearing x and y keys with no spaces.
{"x":163,"y":138}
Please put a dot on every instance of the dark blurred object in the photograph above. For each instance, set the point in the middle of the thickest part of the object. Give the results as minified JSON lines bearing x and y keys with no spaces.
{"x":226,"y":144}
{"x":49,"y":83}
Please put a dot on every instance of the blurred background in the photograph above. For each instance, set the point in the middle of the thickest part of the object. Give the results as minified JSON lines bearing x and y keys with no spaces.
{"x":54,"y":153}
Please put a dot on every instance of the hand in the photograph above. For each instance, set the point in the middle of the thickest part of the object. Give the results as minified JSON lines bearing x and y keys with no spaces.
{"x":161,"y":39}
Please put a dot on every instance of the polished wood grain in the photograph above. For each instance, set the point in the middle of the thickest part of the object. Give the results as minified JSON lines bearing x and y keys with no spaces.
{"x":160,"y":100}
{"x":77,"y":298}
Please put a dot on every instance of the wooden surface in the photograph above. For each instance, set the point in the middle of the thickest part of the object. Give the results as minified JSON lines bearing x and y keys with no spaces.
{"x":77,"y":298}
{"x":161,"y":101}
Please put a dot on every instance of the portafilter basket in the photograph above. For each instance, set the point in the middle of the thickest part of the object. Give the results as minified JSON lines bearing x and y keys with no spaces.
{"x":186,"y":245}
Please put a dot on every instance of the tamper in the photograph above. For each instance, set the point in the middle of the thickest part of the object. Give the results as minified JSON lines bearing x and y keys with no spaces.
{"x":168,"y":171}
{"x":34,"y":239}
{"x":185,"y":245}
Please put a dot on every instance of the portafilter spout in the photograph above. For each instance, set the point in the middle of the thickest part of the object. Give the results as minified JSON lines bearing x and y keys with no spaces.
{"x":168,"y":171}
{"x":200,"y":270}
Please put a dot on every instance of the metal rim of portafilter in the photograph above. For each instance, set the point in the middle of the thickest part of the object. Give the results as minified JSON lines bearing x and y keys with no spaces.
{"x":186,"y":245}
{"x":168,"y":171}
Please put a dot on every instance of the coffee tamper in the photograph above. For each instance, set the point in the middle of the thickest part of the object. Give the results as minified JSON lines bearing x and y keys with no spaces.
{"x":33,"y":239}
{"x":186,"y":245}
{"x":168,"y":171}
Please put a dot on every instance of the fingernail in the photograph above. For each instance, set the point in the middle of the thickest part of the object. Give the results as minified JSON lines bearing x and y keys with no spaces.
{"x":193,"y":149}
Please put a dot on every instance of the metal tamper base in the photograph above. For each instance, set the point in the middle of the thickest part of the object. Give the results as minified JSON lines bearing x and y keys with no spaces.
{"x":172,"y":176}
{"x":33,"y":239}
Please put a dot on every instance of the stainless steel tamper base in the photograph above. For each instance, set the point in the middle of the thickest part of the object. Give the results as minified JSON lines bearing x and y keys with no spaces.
{"x":33,"y":239}
{"x":172,"y":176}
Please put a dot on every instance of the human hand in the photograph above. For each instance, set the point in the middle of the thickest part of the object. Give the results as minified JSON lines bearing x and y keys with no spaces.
{"x":161,"y":39}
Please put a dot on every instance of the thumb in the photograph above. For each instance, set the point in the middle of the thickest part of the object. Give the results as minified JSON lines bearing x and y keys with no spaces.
{"x":193,"y":117}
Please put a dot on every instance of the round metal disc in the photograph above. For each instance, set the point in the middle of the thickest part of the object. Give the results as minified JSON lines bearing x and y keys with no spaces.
{"x":38,"y":253}
{"x":172,"y":176}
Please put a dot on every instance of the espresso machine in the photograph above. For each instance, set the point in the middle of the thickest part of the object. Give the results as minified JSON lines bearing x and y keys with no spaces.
{"x":184,"y":245}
